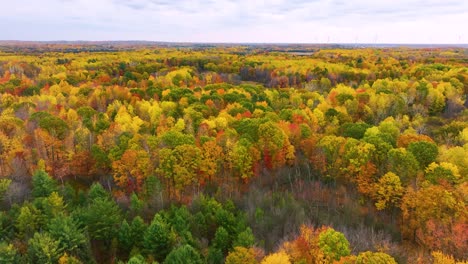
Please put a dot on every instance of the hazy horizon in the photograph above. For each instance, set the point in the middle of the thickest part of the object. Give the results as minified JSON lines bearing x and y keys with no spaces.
{"x":243,"y":21}
{"x":155,"y":42}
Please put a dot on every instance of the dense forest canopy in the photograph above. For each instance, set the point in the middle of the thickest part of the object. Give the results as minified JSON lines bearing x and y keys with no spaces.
{"x":233,"y":154}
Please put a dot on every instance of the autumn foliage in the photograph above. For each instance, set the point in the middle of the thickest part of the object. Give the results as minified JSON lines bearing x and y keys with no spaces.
{"x":376,"y":133}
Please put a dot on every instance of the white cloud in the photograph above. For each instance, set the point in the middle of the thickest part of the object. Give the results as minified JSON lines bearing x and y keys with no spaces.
{"x":396,"y":21}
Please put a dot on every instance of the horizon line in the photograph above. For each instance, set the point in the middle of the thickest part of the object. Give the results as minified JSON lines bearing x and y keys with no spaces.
{"x":239,"y":43}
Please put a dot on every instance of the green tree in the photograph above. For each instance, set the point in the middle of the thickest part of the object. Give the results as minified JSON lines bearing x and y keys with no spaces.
{"x":96,"y":191}
{"x":43,"y":249}
{"x":4,"y":184}
{"x":382,"y":147}
{"x":446,"y":171}
{"x":8,"y":254}
{"x":245,"y":239}
{"x":158,"y":239}
{"x":100,"y":156}
{"x":28,"y":220}
{"x":52,"y":205}
{"x":333,"y":244}
{"x":138,"y":259}
{"x":42,"y":184}
{"x":354,"y":130}
{"x":102,"y":218}
{"x":402,"y":163}
{"x":136,"y":205}
{"x":243,"y":158}
{"x":180,"y":165}
{"x":125,"y":236}
{"x":185,"y":254}
{"x":180,"y":220}
{"x":215,"y":256}
{"x":173,"y":139}
{"x":425,"y":152}
{"x":137,"y":231}
{"x":271,"y":137}
{"x":71,"y":238}
{"x":130,"y":236}
{"x":55,"y":126}
{"x":222,"y":240}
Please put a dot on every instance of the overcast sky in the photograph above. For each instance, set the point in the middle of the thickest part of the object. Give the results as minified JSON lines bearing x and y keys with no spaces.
{"x":279,"y":21}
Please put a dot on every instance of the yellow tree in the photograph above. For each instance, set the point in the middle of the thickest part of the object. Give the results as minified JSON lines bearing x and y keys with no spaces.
{"x":9,"y":147}
{"x":243,"y":158}
{"x":356,"y":155}
{"x":179,"y":166}
{"x":457,"y":156}
{"x":433,"y":216}
{"x":444,"y":171}
{"x":271,"y":141}
{"x":441,"y":258}
{"x":277,"y":258}
{"x":51,"y":150}
{"x":374,"y":257}
{"x":211,"y":157}
{"x":241,"y":255}
{"x":388,"y":191}
{"x":332,"y":148}
{"x":188,"y":159}
{"x":126,"y":121}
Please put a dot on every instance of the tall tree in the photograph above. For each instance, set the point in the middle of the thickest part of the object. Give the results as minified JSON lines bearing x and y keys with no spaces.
{"x":425,"y":152}
{"x":185,"y":254}
{"x":131,"y":169}
{"x":158,"y":239}
{"x":71,"y":237}
{"x":102,"y":217}
{"x":241,"y":255}
{"x":388,"y":191}
{"x":42,"y":248}
{"x":333,"y":244}
{"x":43,"y":184}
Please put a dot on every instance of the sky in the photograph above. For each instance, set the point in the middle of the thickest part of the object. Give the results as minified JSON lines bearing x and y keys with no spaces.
{"x":238,"y":21}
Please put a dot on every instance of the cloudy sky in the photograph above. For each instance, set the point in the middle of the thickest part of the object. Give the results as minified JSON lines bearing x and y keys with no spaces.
{"x":279,"y":21}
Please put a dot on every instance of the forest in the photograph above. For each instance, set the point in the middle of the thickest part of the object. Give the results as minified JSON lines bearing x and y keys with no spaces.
{"x":233,"y":154}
